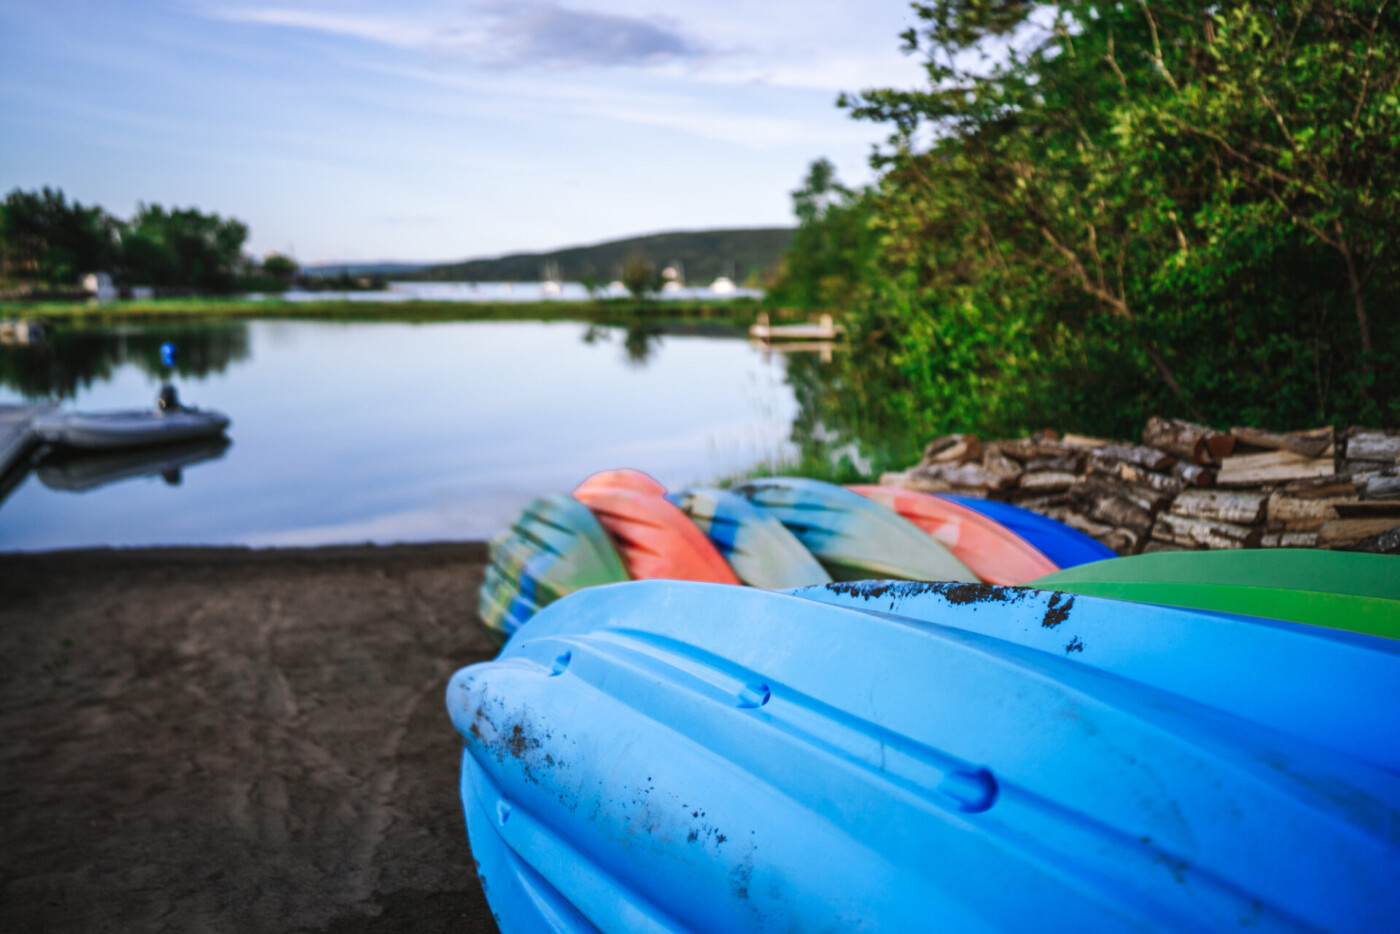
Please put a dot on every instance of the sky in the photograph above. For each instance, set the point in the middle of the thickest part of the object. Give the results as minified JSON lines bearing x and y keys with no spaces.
{"x":430,"y":130}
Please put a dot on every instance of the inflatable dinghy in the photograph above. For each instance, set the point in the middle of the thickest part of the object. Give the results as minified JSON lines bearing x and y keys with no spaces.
{"x":167,"y":423}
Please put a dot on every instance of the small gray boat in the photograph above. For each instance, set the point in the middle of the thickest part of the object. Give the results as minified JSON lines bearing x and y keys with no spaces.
{"x":168,"y":423}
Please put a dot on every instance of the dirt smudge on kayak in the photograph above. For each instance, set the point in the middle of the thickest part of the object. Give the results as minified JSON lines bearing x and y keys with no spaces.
{"x":1074,"y":646}
{"x":1056,"y":612}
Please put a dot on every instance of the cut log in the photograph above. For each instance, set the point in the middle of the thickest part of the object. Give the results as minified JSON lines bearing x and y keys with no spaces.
{"x":1312,"y":443}
{"x":1043,"y":504}
{"x":1151,"y":458}
{"x":1155,"y":545}
{"x":945,"y":478}
{"x":1029,"y":449}
{"x":1303,"y":514}
{"x":1341,"y":484}
{"x":1383,"y":487}
{"x":1186,"y":530}
{"x":1231,"y":506}
{"x":1275,"y":467}
{"x":1386,"y":543}
{"x":952,"y":449}
{"x":1364,"y":445}
{"x":1369,"y":509}
{"x":1083,"y":441}
{"x":1048,"y":481}
{"x":1199,"y":443}
{"x":1006,"y":470}
{"x":1194,"y":474}
{"x":1364,"y":469}
{"x":1104,"y":504}
{"x":1132,"y":473}
{"x":1288,"y":540}
{"x":1068,"y":464}
{"x":1344,"y":533}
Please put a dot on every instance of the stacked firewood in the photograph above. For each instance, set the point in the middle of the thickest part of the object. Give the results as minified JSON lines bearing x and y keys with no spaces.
{"x":1187,"y":486}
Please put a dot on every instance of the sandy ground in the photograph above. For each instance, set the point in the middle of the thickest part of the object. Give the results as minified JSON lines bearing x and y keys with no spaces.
{"x":226,"y":740}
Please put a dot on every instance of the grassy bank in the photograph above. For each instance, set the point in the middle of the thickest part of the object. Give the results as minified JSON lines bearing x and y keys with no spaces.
{"x":737,"y":313}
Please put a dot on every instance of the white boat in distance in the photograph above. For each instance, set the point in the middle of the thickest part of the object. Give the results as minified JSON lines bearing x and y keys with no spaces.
{"x":110,"y":430}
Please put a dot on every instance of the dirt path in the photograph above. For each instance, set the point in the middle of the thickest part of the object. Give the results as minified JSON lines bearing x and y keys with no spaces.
{"x":224,"y":740}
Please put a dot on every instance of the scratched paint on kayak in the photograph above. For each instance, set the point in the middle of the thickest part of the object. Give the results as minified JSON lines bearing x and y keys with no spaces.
{"x":854,"y":538}
{"x":553,"y":548}
{"x":671,"y":756}
{"x":990,"y":550}
{"x":760,"y":549}
{"x":654,"y":538}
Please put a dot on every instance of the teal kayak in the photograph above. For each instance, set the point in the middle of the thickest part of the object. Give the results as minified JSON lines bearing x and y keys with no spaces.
{"x":852,"y":536}
{"x":554,"y":548}
{"x":760,"y":549}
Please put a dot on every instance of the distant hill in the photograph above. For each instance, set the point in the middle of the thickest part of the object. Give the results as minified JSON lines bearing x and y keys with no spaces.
{"x":705,"y":254}
{"x":393,"y":270}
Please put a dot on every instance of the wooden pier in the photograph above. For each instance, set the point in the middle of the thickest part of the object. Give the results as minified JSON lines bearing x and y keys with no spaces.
{"x":16,"y":433}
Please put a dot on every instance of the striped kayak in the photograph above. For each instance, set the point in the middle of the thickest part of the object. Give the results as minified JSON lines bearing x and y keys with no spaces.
{"x":990,"y":550}
{"x":760,"y":549}
{"x":1065,"y":546}
{"x":554,"y":548}
{"x":1343,"y":590}
{"x":668,"y":756}
{"x":853,"y":537}
{"x":653,"y":537}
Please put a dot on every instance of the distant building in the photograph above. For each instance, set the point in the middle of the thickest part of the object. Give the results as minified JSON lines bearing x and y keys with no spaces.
{"x":100,"y":286}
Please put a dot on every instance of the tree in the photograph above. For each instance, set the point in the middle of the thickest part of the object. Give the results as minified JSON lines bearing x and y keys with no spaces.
{"x":182,"y":247}
{"x":44,"y":238}
{"x":1129,"y":208}
{"x":283,"y":268}
{"x":640,"y":276}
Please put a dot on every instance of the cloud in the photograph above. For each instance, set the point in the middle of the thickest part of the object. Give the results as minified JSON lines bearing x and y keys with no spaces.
{"x":503,"y":34}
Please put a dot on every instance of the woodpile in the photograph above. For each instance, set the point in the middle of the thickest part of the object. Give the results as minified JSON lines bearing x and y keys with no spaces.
{"x":1187,"y":486}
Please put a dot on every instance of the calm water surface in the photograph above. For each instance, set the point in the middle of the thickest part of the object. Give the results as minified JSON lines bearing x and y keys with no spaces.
{"x":384,"y":432}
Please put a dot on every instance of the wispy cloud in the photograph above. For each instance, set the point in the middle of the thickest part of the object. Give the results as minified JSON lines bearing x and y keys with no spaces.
{"x":502,"y":34}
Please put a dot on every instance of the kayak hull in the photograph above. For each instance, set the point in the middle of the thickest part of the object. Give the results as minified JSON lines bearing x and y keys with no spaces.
{"x":669,"y":756}
{"x":853,"y":537}
{"x":761,"y":551}
{"x":990,"y":550}
{"x":1065,"y":546}
{"x":654,"y":538}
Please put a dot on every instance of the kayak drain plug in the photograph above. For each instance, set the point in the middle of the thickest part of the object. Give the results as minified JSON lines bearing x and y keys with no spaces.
{"x":974,"y":791}
{"x":561,"y":663}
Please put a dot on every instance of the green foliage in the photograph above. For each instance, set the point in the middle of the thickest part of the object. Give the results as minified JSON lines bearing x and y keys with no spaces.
{"x":280,"y":267}
{"x":182,"y":247}
{"x":44,"y":238}
{"x":833,"y":244}
{"x":1128,"y":209}
{"x":640,"y":276}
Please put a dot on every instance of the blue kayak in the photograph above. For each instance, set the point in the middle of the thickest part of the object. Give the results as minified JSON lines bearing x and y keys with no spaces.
{"x":760,"y":549}
{"x":668,"y":756}
{"x":1063,"y":545}
{"x":853,"y":537}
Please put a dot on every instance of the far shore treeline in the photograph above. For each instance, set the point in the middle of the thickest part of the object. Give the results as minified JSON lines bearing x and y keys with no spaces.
{"x":1120,"y":210}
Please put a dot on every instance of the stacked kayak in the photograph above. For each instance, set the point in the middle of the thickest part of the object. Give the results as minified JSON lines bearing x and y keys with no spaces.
{"x":893,"y":755}
{"x":777,"y":533}
{"x":1344,"y":590}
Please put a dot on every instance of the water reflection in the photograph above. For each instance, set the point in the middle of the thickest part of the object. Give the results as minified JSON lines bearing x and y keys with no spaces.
{"x":75,"y":359}
{"x":79,"y":472}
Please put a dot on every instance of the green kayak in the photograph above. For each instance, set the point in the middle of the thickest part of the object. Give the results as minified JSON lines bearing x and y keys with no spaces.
{"x":1338,"y":589}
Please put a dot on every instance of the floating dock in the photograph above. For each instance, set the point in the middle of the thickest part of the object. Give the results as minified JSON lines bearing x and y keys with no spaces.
{"x":16,"y":432}
{"x":823,"y":330}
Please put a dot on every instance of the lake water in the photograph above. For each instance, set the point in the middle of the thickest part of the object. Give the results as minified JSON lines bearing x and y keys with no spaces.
{"x":384,"y":432}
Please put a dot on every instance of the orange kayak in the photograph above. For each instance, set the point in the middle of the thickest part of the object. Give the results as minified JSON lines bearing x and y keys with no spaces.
{"x":990,"y":550}
{"x":654,"y":538}
{"x":624,"y":478}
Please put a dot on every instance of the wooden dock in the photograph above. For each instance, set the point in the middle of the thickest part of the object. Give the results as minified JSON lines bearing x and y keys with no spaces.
{"x":823,"y":330}
{"x":16,"y":434}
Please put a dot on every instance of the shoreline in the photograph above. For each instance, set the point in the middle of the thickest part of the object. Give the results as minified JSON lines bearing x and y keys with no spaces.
{"x":236,"y":739}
